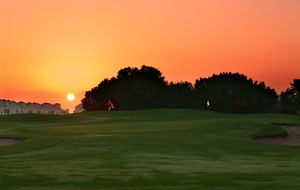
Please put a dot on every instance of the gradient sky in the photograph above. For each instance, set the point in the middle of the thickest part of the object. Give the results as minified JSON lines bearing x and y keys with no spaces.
{"x":51,"y":47}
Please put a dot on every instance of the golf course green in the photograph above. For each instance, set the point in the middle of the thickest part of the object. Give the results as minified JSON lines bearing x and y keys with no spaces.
{"x":162,"y":149}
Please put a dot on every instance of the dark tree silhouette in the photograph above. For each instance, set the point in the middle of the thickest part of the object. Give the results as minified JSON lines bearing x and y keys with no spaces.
{"x":178,"y":95}
{"x":296,"y":85}
{"x":146,"y":88}
{"x":132,"y":89}
{"x":99,"y":97}
{"x":290,"y":99}
{"x":235,"y":93}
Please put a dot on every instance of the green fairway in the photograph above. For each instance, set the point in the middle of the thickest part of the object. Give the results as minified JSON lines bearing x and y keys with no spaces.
{"x":143,"y":150}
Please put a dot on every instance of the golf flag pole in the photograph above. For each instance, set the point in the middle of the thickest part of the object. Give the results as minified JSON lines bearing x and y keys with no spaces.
{"x":207,"y":106}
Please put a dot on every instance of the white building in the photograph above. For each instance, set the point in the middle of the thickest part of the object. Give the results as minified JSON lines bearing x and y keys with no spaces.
{"x":79,"y":108}
{"x":11,"y":107}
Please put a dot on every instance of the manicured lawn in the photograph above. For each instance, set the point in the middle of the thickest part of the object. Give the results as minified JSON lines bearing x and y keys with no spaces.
{"x":143,"y":150}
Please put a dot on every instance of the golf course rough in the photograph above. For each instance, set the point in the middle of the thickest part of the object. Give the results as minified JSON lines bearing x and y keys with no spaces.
{"x":149,"y":149}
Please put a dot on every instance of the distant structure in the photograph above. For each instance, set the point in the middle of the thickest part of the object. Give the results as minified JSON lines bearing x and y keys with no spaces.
{"x":79,"y":108}
{"x":10,"y":107}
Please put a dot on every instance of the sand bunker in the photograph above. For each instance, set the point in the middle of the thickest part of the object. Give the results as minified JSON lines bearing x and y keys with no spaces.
{"x":293,"y":137}
{"x":8,"y":141}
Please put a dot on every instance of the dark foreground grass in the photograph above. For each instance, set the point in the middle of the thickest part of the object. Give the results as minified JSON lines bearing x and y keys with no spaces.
{"x":141,"y":150}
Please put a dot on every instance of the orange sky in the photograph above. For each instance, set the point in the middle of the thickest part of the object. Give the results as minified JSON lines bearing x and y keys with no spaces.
{"x":51,"y":47}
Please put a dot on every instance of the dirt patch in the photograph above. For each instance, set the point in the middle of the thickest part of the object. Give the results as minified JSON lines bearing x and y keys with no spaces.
{"x":293,"y":137}
{"x":8,"y":141}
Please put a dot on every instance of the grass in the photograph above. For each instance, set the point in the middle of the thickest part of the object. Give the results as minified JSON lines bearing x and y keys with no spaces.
{"x":143,"y":150}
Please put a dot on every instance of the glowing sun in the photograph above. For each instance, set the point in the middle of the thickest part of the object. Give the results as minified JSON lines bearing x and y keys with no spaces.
{"x":70,"y":96}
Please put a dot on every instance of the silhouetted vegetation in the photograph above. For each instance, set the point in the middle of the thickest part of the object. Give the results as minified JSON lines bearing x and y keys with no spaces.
{"x":290,"y":99}
{"x":177,"y":95}
{"x":235,"y":93}
{"x":132,"y":89}
{"x":146,"y":88}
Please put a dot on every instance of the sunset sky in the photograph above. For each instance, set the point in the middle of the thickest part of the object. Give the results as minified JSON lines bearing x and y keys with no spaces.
{"x":49,"y":48}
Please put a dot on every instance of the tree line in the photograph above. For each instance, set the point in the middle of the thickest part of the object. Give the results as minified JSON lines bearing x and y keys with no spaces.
{"x":146,"y":88}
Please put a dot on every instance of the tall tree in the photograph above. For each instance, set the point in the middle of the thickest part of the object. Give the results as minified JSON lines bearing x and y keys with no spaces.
{"x":132,"y":89}
{"x":296,"y":85}
{"x":290,"y":99}
{"x":234,"y":92}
